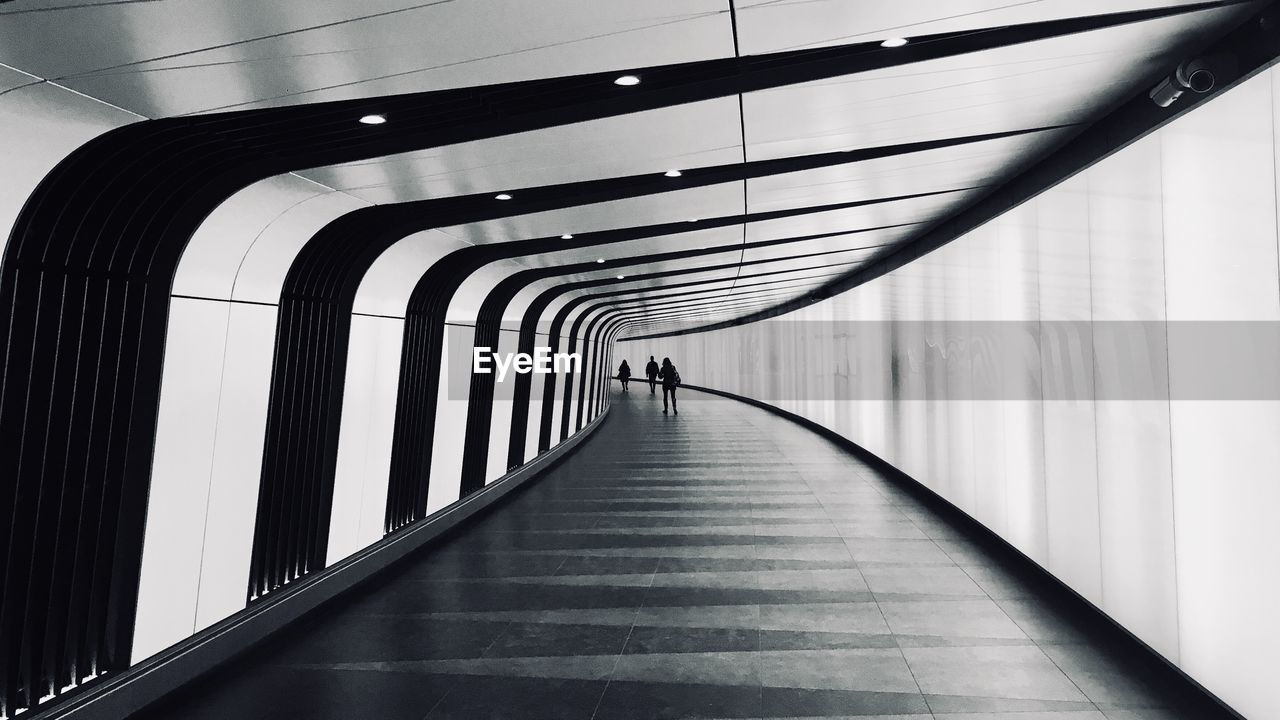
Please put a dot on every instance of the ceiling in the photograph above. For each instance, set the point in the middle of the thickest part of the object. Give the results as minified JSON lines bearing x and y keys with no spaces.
{"x":167,"y":58}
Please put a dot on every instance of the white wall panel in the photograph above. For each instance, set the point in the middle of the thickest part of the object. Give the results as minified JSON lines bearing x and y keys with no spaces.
{"x":1227,"y":539}
{"x":990,"y":504}
{"x":533,"y":425}
{"x":1070,"y":428}
{"x":236,"y":470}
{"x":363,"y":468}
{"x":1021,"y":383}
{"x":178,"y":498}
{"x":1128,"y":243}
{"x":450,"y":432}
{"x":1221,"y":245}
{"x":500,"y":418}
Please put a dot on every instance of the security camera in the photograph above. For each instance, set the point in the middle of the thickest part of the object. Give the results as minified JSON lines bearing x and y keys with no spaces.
{"x":1194,"y":75}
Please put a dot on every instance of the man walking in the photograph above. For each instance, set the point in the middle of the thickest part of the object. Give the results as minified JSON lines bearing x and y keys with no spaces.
{"x":651,"y":370}
{"x":670,"y":381}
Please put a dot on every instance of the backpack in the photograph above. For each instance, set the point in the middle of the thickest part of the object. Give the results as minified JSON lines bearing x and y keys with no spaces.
{"x":675,"y":375}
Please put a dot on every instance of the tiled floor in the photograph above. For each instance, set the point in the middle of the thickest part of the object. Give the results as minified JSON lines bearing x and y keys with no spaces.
{"x":723,"y":563}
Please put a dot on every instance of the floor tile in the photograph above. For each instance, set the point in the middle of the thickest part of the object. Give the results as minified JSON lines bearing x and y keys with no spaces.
{"x":633,"y":700}
{"x":741,"y":668}
{"x":1019,"y":672}
{"x":897,"y":579}
{"x":870,"y":669}
{"x":806,"y":703}
{"x":979,"y":618}
{"x":504,"y":698}
{"x":854,"y":617}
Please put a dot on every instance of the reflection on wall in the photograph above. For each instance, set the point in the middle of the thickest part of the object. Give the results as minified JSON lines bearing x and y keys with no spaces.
{"x":1158,"y":504}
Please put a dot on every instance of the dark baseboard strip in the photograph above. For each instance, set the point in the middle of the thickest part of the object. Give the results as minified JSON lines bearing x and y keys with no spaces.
{"x":120,"y":695}
{"x":1195,"y":698}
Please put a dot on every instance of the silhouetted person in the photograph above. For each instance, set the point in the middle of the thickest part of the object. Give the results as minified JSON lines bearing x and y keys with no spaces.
{"x":670,"y":381}
{"x":624,"y":374}
{"x":652,"y":371}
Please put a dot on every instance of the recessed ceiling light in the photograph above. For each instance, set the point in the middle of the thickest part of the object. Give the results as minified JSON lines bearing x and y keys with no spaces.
{"x":894,"y":42}
{"x":673,"y":173}
{"x":600,"y":260}
{"x":566,"y":236}
{"x":502,"y":196}
{"x":622,"y":277}
{"x":692,"y":220}
{"x":373,"y":119}
{"x":627,"y":80}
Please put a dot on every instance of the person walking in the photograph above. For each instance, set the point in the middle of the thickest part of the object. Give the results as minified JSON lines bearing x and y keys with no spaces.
{"x":670,"y":381}
{"x":624,"y":374}
{"x":652,"y":371}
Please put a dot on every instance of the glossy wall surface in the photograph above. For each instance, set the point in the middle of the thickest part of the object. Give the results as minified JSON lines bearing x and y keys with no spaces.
{"x":1149,"y":485}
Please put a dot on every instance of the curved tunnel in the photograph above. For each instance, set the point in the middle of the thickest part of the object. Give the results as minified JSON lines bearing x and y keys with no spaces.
{"x":253,"y":257}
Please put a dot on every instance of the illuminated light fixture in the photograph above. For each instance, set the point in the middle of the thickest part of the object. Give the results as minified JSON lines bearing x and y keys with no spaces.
{"x":600,"y":260}
{"x":673,"y":173}
{"x":622,"y":277}
{"x":566,"y":236}
{"x":502,"y":196}
{"x":693,"y":220}
{"x":373,"y":119}
{"x":627,"y":80}
{"x":894,"y":42}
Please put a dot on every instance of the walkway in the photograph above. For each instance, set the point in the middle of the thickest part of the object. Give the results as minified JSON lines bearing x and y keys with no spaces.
{"x":723,"y":563}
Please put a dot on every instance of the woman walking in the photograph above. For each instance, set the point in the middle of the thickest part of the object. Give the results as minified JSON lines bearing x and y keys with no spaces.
{"x":670,"y":381}
{"x":624,"y":374}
